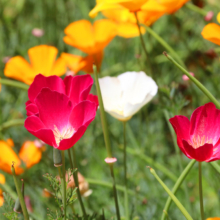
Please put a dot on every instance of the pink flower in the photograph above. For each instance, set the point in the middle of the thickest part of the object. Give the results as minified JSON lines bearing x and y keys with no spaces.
{"x":59,"y":111}
{"x":209,"y":16}
{"x":199,"y":138}
{"x":37,"y":32}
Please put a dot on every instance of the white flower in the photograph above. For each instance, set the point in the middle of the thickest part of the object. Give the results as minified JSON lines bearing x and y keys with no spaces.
{"x":125,"y":94}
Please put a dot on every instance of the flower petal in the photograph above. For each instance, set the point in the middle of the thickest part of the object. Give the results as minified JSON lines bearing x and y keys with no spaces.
{"x":18,"y":68}
{"x":93,"y":98}
{"x":82,"y":114}
{"x":211,"y":32}
{"x":203,"y":153}
{"x":36,"y":127}
{"x":68,"y":143}
{"x":59,"y":67}
{"x":78,"y":87}
{"x":54,"y":109}
{"x":52,"y":82}
{"x":205,"y":121}
{"x":181,"y":126}
{"x":31,"y":109}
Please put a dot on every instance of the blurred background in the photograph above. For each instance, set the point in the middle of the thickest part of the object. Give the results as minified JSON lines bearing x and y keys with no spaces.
{"x":147,"y":131}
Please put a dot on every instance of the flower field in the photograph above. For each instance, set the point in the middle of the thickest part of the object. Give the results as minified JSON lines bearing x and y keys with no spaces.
{"x":110,"y":109}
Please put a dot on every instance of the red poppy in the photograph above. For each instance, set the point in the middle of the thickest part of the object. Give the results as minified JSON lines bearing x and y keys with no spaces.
{"x":199,"y":138}
{"x":60,"y":110}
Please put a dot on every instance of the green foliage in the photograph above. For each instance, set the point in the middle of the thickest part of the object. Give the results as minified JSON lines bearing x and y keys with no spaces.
{"x":94,"y":216}
{"x":8,"y":208}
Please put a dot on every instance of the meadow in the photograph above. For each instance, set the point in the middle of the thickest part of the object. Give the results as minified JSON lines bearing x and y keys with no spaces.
{"x":150,"y":138}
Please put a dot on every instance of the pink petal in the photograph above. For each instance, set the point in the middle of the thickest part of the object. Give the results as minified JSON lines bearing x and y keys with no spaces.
{"x":54,"y":109}
{"x":203,"y":153}
{"x":68,"y":143}
{"x":110,"y":159}
{"x":205,"y":121}
{"x":54,"y":83}
{"x":78,"y":87}
{"x":35,"y":126}
{"x":93,"y":98}
{"x":82,"y":114}
{"x":31,"y":109}
{"x":28,"y":103}
{"x":181,"y":126}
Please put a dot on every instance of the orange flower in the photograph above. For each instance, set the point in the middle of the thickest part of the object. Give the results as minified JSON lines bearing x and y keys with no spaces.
{"x":2,"y":181}
{"x":42,"y":60}
{"x":29,"y":154}
{"x":77,"y":63}
{"x":91,"y":39}
{"x":211,"y":31}
{"x":215,"y":218}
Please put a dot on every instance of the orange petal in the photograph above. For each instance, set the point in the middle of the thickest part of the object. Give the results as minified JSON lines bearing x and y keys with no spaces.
{"x":42,"y":58}
{"x":2,"y":179}
{"x":128,"y":30}
{"x":18,"y":68}
{"x":59,"y":67}
{"x":8,"y":156}
{"x":30,"y":154}
{"x":80,"y":34}
{"x":10,"y":142}
{"x":1,"y":200}
{"x":214,"y":218}
{"x":132,"y":5}
{"x":211,"y":32}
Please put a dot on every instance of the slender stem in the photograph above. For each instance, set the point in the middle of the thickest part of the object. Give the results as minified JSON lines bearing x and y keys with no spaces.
{"x":75,"y":176}
{"x":194,"y":80}
{"x":142,"y":40}
{"x":196,"y":9}
{"x":215,"y":166}
{"x":63,"y":179}
{"x":200,"y":192}
{"x":107,"y":140}
{"x":11,"y":123}
{"x":173,"y":197}
{"x":176,"y":187}
{"x":13,"y":83}
{"x":165,"y":44}
{"x":70,"y":159}
{"x":20,"y":196}
{"x":125,"y":173}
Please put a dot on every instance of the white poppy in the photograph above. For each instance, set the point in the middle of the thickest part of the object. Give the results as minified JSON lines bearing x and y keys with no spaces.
{"x":125,"y":94}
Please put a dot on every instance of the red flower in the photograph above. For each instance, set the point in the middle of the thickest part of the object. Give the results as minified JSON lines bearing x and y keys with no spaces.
{"x":199,"y":138}
{"x":59,"y":111}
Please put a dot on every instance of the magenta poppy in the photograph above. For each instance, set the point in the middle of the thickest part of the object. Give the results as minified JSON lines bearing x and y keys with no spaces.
{"x":199,"y":138}
{"x":59,"y":111}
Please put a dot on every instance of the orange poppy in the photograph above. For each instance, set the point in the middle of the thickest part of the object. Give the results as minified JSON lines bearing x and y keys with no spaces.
{"x":91,"y":39}
{"x":77,"y":63}
{"x":42,"y":60}
{"x":29,"y":154}
{"x":2,"y":181}
{"x":211,"y":31}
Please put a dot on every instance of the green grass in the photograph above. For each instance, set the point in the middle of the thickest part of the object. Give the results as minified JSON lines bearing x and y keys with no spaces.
{"x":149,"y":127}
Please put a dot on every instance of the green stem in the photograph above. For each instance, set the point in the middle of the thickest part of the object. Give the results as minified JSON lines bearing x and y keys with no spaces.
{"x":107,"y":140}
{"x":200,"y":192}
{"x":164,"y":44}
{"x":63,"y":179}
{"x":75,"y":176}
{"x":142,"y":40}
{"x":173,"y":197}
{"x":20,"y":196}
{"x":196,"y":9}
{"x":125,"y":173}
{"x":194,"y":80}
{"x":11,"y":123}
{"x":176,"y":186}
{"x":13,"y":83}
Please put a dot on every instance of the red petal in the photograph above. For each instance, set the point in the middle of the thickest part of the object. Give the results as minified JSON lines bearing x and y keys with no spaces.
{"x":93,"y":98}
{"x":78,"y":87}
{"x":181,"y":126}
{"x":82,"y":114}
{"x":35,"y":126}
{"x":54,"y":83}
{"x":203,"y":153}
{"x":54,"y":109}
{"x":31,"y":109}
{"x":205,"y":121}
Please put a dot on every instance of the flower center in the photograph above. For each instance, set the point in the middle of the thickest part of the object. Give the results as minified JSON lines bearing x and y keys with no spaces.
{"x":198,"y":141}
{"x":67,"y":132}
